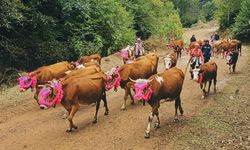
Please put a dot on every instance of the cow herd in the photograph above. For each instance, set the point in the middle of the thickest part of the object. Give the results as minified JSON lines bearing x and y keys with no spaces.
{"x":83,"y":82}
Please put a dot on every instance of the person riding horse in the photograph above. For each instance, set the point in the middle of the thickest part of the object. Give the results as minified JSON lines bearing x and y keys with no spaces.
{"x":196,"y":59}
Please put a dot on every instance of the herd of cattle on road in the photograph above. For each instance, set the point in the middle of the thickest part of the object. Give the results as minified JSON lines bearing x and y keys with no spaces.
{"x":83,"y":81}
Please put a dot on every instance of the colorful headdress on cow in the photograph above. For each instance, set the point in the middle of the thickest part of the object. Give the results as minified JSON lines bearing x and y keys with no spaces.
{"x":46,"y":91}
{"x":142,"y":90}
{"x":124,"y":53}
{"x":113,"y":82}
{"x":27,"y":81}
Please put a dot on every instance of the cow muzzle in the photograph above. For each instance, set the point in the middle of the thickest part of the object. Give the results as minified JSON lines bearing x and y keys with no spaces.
{"x":22,"y":90}
{"x":44,"y":107}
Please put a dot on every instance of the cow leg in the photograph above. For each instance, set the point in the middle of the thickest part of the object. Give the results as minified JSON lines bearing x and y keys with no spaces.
{"x":104,"y":98}
{"x":157,"y":125}
{"x":178,"y":106}
{"x":215,"y":80}
{"x":125,"y":99}
{"x":150,"y":119}
{"x":234,"y":66}
{"x":131,"y":96}
{"x":204,"y":90}
{"x":209,"y":85}
{"x":73,"y":110}
{"x":96,"y":111}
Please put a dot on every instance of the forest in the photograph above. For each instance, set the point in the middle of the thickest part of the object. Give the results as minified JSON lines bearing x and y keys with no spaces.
{"x":40,"y":32}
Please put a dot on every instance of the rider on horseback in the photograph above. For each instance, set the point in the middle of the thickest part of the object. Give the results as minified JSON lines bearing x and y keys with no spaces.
{"x":196,"y":59}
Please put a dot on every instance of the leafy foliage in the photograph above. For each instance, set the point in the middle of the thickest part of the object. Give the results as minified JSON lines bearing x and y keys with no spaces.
{"x":241,"y":28}
{"x":40,"y":32}
{"x":226,"y":11}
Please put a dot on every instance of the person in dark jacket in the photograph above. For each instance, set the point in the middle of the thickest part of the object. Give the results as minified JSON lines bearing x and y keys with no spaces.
{"x":216,"y":36}
{"x":192,"y":39}
{"x":206,"y":51}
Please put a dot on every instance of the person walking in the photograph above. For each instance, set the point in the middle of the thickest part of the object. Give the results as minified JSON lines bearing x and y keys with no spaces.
{"x":206,"y":51}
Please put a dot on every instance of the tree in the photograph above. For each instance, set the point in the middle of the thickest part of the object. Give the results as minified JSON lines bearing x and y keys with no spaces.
{"x":226,"y":11}
{"x":241,"y":28}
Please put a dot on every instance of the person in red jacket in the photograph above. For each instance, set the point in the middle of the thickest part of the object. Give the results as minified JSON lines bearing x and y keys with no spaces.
{"x":196,"y":58}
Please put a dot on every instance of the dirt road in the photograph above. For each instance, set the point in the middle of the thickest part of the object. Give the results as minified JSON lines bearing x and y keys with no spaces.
{"x":24,"y":126}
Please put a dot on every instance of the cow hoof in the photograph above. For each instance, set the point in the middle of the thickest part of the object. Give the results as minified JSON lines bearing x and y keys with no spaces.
{"x":132,"y":102}
{"x":123,"y":107}
{"x":69,"y":130}
{"x":65,"y":116}
{"x":75,"y":127}
{"x":146,"y":135}
{"x":176,"y":119}
{"x":94,"y":121}
{"x":202,"y":97}
{"x":157,"y":125}
{"x":106,"y":113}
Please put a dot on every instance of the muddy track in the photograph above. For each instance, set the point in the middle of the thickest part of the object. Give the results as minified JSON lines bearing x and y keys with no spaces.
{"x":24,"y":126}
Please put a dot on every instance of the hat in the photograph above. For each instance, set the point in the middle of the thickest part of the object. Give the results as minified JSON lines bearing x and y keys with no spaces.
{"x":196,"y":44}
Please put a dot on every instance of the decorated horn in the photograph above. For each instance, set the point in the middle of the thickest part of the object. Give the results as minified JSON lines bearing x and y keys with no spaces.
{"x":150,"y":80}
{"x":40,"y":85}
{"x":132,"y":80}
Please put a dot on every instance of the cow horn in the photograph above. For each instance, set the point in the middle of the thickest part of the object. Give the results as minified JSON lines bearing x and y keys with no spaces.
{"x":132,"y":80}
{"x":40,"y":85}
{"x":19,"y":74}
{"x":150,"y":80}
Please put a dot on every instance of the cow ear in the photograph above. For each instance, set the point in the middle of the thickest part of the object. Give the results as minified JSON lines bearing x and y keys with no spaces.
{"x":201,"y":71}
{"x":131,"y":85}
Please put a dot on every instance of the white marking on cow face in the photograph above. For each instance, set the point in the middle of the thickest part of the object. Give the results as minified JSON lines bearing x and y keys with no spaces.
{"x":168,"y":62}
{"x":80,"y":66}
{"x":196,"y":73}
{"x":228,"y":59}
{"x":159,"y":79}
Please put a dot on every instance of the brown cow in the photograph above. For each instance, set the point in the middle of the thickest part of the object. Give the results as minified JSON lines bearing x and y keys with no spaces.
{"x":177,"y":45}
{"x":221,"y":46}
{"x":82,"y":72}
{"x":43,"y":75}
{"x":127,"y":54}
{"x":170,"y":61}
{"x":206,"y":73}
{"x":87,"y":90}
{"x":166,"y":85}
{"x":143,"y":67}
{"x":96,"y":57}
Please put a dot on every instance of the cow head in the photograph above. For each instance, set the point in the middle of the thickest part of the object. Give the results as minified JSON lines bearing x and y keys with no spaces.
{"x":50,"y":94}
{"x":113,"y":79}
{"x":142,"y":88}
{"x":168,"y":62}
{"x":197,"y":75}
{"x":229,"y":58}
{"x":26,"y":81}
{"x":124,"y":53}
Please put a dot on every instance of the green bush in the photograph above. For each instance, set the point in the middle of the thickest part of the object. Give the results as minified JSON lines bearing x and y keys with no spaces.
{"x":241,"y":28}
